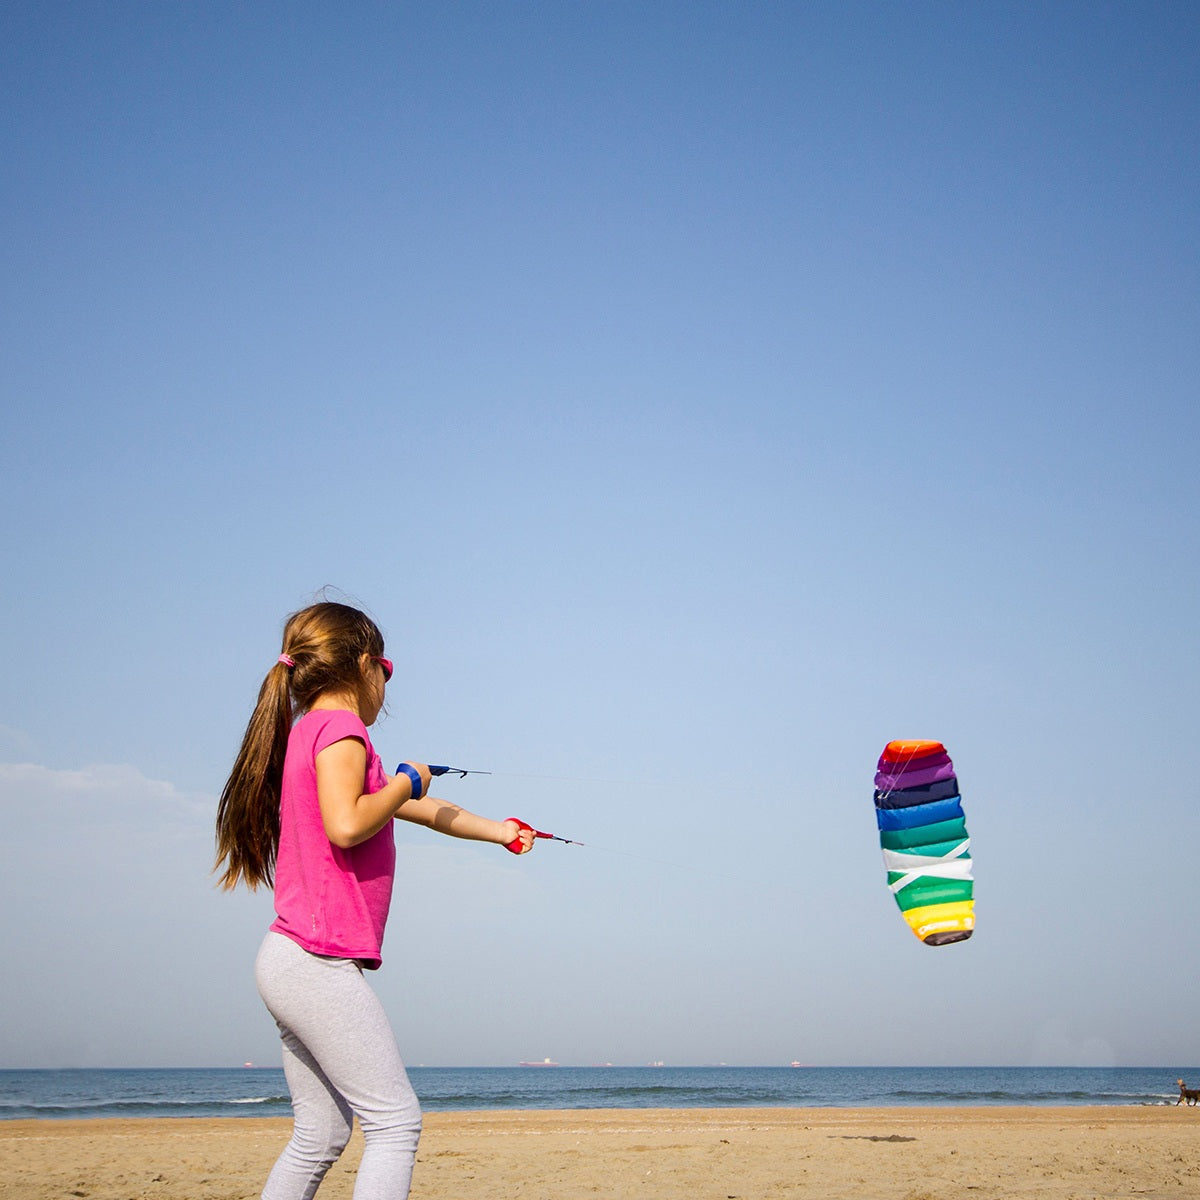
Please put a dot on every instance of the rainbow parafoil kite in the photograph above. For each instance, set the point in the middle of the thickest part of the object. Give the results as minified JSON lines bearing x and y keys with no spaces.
{"x":924,"y":837}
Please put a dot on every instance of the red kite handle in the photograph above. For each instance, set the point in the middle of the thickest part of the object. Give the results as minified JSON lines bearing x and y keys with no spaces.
{"x":514,"y":847}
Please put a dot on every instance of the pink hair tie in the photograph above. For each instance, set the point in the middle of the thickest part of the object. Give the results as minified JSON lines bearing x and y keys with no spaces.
{"x":287,"y":660}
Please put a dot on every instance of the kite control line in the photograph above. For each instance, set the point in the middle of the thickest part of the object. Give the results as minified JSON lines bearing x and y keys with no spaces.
{"x":515,"y":846}
{"x":408,"y":769}
{"x":454,"y":771}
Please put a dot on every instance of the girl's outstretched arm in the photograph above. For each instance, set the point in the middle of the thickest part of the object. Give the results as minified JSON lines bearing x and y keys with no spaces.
{"x":456,"y":821}
{"x":351,"y":816}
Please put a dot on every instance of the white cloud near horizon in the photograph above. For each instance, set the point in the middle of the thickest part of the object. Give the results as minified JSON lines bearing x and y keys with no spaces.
{"x":101,"y":794}
{"x":125,"y":951}
{"x":110,"y":870}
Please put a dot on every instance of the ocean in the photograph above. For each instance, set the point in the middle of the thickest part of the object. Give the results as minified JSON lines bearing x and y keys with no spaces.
{"x":262,"y":1092}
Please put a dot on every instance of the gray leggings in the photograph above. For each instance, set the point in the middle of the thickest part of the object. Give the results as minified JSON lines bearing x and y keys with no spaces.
{"x":341,"y":1060}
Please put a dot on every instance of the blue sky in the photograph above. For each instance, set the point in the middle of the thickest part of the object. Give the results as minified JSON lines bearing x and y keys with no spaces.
{"x":700,"y":396}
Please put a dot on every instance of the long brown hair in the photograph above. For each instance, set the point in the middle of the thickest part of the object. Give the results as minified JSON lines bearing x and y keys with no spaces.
{"x":326,"y":642}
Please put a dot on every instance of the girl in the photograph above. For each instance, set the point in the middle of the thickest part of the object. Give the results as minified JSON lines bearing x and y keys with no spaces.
{"x":308,"y":810}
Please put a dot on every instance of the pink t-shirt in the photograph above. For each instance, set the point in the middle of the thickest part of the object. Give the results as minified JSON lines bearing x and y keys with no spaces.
{"x":331,"y":901}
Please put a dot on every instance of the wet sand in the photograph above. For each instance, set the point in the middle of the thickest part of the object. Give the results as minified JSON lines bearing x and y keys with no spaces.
{"x":666,"y":1154}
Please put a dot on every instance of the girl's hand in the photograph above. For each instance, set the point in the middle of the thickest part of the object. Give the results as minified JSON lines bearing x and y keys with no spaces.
{"x":515,"y":831}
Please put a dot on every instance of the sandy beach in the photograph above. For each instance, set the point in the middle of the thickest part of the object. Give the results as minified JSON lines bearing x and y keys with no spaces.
{"x":671,"y":1154}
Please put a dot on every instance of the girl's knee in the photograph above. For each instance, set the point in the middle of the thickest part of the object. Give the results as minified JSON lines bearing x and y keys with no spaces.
{"x":400,"y":1126}
{"x":321,"y":1147}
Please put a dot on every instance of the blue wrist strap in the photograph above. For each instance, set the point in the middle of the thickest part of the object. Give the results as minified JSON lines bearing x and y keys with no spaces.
{"x":411,"y":772}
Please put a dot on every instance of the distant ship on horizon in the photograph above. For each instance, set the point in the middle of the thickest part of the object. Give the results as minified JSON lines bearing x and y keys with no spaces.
{"x":544,"y":1063}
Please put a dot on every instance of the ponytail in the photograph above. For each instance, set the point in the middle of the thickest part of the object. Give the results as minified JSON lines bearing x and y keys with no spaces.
{"x":248,"y":813}
{"x":323,"y":647}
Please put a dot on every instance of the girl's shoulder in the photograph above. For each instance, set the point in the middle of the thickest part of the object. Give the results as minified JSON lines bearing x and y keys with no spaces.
{"x":321,"y":727}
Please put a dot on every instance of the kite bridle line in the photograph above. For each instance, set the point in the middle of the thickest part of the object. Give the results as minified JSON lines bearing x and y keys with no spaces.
{"x":899,"y":769}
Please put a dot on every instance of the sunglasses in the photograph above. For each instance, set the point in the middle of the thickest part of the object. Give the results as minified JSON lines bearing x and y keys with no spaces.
{"x":385,"y":663}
